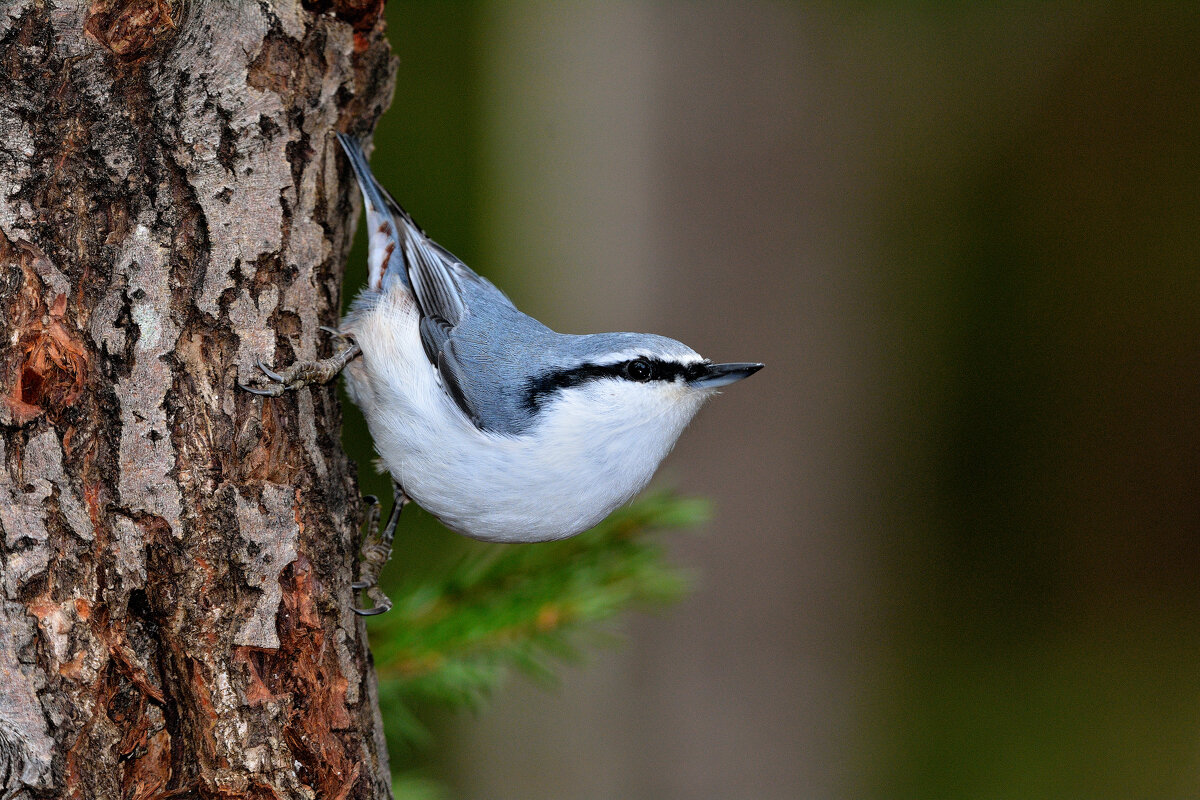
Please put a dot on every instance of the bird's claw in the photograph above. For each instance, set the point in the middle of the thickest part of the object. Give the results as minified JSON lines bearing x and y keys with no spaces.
{"x":332,"y":331}
{"x":264,"y":392}
{"x":302,"y":373}
{"x":376,"y":550}
{"x":380,"y":603}
{"x":275,"y":376}
{"x":280,"y":382}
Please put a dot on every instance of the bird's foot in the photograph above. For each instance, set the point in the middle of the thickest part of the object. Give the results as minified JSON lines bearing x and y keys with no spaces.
{"x":303,"y":373}
{"x":376,"y":550}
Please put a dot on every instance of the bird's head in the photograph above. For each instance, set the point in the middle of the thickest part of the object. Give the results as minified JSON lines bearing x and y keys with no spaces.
{"x":647,"y":387}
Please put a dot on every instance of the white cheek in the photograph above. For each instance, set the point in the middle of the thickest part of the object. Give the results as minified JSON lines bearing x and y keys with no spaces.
{"x":623,"y":428}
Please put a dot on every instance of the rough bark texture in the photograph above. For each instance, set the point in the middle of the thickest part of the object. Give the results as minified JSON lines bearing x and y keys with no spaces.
{"x":174,"y":592}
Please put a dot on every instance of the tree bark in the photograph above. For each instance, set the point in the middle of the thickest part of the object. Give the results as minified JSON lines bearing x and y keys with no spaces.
{"x":175,"y":610}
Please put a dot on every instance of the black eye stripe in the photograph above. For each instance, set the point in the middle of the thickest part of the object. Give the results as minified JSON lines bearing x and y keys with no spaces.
{"x":540,"y":388}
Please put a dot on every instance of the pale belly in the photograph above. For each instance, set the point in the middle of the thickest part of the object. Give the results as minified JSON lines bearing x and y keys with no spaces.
{"x":498,"y":488}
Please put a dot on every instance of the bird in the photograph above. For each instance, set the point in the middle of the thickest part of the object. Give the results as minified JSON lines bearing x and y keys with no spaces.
{"x":501,"y":428}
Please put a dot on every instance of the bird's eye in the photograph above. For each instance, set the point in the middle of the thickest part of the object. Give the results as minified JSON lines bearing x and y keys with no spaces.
{"x":639,"y":370}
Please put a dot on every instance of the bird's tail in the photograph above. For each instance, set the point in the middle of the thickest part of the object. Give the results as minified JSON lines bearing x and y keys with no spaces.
{"x":384,"y":259}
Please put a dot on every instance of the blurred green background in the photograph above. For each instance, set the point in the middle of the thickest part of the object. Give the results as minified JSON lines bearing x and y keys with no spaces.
{"x":956,"y":551}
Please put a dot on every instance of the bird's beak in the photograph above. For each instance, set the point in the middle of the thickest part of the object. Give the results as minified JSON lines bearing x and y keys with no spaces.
{"x":718,"y":375}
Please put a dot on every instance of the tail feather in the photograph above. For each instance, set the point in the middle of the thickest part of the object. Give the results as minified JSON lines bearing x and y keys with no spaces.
{"x":385,"y":262}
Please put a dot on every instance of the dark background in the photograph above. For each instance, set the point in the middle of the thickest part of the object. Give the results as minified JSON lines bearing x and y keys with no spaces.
{"x":955,"y":550}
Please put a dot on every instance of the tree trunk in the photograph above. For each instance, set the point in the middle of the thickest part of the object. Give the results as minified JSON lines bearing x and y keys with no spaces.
{"x":175,"y":618}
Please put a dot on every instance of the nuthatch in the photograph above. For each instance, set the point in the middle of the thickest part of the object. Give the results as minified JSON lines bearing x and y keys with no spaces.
{"x":498,"y":426}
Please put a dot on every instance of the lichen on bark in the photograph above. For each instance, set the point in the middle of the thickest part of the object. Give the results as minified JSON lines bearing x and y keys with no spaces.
{"x":177,"y":554}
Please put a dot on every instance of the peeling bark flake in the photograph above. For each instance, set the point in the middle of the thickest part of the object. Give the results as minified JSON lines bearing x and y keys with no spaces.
{"x":270,"y":535}
{"x":25,"y":743}
{"x":147,"y":455}
{"x":25,"y":536}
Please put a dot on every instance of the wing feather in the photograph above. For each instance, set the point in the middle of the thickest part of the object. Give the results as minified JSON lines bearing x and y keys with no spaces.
{"x":477,"y":353}
{"x":431,"y":270}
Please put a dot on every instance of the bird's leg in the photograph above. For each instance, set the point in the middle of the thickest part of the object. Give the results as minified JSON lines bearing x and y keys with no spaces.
{"x":376,"y":550}
{"x":304,"y":373}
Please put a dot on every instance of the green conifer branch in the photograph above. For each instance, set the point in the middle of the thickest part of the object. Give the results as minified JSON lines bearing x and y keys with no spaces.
{"x":450,"y":639}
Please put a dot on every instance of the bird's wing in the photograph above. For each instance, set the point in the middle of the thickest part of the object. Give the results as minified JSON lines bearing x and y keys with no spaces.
{"x":432,"y":270}
{"x":471,"y":332}
{"x":478,"y":342}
